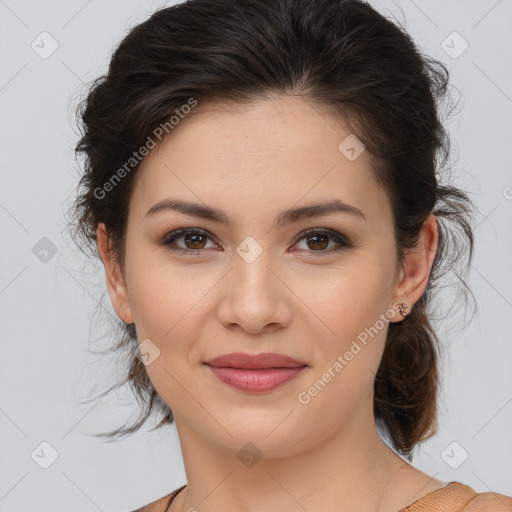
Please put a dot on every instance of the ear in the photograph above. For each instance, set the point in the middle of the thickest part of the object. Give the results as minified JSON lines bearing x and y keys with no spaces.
{"x":418,"y":263}
{"x":115,"y":281}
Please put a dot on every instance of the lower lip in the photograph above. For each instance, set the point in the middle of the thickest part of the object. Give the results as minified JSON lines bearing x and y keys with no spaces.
{"x":265,"y":379}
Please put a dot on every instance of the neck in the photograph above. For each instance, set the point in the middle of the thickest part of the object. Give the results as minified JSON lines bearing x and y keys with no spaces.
{"x":345,"y":470}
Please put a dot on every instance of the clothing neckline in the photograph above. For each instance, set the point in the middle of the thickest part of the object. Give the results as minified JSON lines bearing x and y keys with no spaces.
{"x":179,"y":489}
{"x":426,"y":496}
{"x":174,"y":494}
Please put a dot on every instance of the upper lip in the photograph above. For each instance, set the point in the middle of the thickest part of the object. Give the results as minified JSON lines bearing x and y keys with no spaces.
{"x":248,"y":361}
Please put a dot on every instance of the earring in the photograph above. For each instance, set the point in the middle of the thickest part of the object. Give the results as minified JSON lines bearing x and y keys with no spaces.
{"x":403,"y":305}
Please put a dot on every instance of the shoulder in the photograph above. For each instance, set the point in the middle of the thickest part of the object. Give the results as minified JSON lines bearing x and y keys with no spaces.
{"x":160,"y":505}
{"x":458,"y":497}
{"x":489,"y":502}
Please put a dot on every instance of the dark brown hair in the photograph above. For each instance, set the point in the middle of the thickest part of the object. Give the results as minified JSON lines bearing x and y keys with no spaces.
{"x":342,"y":54}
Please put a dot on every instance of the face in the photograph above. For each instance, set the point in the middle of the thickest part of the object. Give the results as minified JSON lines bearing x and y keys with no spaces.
{"x":319,"y":289}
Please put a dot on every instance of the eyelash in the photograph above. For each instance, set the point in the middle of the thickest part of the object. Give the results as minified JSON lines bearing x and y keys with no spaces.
{"x":179,"y":233}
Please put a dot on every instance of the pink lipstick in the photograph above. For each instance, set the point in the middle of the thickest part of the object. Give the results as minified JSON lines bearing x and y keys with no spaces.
{"x":256,"y":373}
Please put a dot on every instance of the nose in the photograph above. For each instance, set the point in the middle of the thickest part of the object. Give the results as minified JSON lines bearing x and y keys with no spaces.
{"x":254,"y":298}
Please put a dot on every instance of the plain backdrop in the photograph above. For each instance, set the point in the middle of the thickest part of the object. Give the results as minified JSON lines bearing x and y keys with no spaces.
{"x":49,"y":291}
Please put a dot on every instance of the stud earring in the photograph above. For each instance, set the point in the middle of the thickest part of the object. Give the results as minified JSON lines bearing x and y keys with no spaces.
{"x":403,"y":306}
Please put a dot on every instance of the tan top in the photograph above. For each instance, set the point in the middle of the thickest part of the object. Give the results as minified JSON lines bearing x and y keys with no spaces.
{"x":454,"y":497}
{"x":457,"y":497}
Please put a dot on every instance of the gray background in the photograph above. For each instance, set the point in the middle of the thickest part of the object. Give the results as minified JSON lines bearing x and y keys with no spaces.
{"x":47,"y":301}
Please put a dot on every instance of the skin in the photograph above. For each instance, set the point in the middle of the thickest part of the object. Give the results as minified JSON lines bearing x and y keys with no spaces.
{"x":253,"y":163}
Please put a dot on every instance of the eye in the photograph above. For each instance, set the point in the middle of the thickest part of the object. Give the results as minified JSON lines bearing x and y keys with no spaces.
{"x":195,"y":241}
{"x":318,"y":240}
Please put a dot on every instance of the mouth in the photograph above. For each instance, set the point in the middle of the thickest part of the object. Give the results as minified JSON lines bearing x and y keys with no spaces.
{"x":255,"y":373}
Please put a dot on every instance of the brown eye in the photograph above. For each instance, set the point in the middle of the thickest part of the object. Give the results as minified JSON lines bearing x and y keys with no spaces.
{"x":193,"y":240}
{"x":318,"y":240}
{"x":197,"y":241}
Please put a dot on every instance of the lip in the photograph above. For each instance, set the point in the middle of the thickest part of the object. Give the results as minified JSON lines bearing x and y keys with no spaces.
{"x":255,"y":362}
{"x":264,"y":379}
{"x":255,"y":373}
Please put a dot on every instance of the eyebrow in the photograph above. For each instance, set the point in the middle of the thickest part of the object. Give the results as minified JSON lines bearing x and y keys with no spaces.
{"x":285,"y":217}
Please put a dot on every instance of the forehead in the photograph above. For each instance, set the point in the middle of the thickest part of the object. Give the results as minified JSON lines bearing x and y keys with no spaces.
{"x":260,"y":156}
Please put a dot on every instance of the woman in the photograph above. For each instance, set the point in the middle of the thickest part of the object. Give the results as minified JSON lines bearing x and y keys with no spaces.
{"x":263,"y":185}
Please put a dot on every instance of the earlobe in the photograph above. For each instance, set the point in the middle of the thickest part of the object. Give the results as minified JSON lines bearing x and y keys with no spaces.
{"x":417,"y":267}
{"x":114,"y":276}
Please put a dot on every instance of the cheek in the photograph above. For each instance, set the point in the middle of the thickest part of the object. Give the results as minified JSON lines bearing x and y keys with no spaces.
{"x":170,"y":305}
{"x":346,"y":301}
{"x":162,"y":296}
{"x":353,"y":308}
{"x":165,"y":304}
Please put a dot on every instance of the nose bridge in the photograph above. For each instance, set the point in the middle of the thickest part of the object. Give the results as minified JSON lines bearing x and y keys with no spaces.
{"x":254,"y":297}
{"x":251,"y":272}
